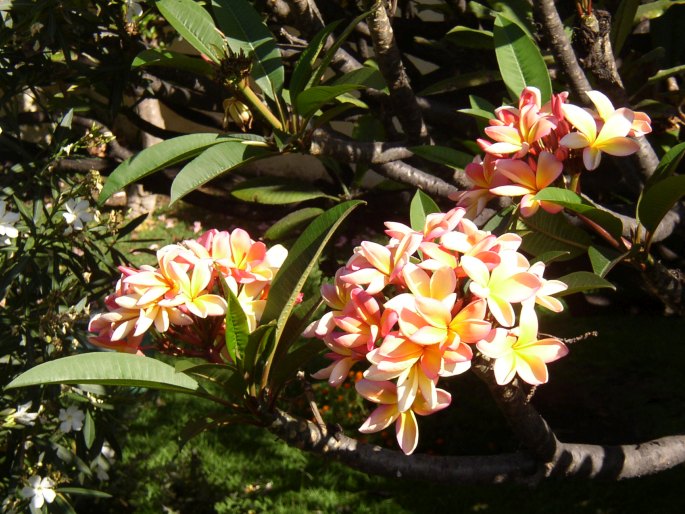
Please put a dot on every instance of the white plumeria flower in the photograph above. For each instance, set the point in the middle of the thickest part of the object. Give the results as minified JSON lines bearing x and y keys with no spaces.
{"x":39,"y":490}
{"x":77,"y":214}
{"x":7,"y":221}
{"x":23,"y":416}
{"x":72,"y":419}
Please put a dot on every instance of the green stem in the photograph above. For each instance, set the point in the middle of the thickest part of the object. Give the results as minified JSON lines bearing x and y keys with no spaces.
{"x":256,"y":103}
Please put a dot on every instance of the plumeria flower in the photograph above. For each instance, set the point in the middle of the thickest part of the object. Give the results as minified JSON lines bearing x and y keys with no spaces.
{"x":385,"y":395}
{"x":77,"y":214}
{"x":483,"y":177}
{"x":40,"y":491}
{"x":72,"y":419}
{"x":509,"y":282}
{"x":610,"y":137}
{"x":526,"y":182}
{"x":543,"y":296}
{"x":519,"y":352}
{"x":7,"y":221}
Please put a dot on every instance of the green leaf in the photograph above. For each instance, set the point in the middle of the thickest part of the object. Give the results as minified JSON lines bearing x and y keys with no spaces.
{"x":237,"y":330}
{"x":304,"y":68}
{"x":465,"y":37}
{"x":656,"y":201}
{"x":176,"y":60}
{"x":462,"y":81}
{"x":302,"y":258}
{"x":443,"y":155}
{"x":622,"y":25}
{"x":195,"y":24}
{"x":107,"y":368}
{"x":603,"y":259}
{"x":573,"y":202}
{"x":244,"y":30}
{"x":294,"y":360}
{"x":328,"y":56}
{"x":276,"y":191}
{"x":310,"y":100}
{"x":581,"y":281}
{"x":83,"y":491}
{"x":553,"y":233}
{"x":421,"y":206}
{"x":89,"y":430}
{"x":519,"y":59}
{"x":157,"y":157}
{"x":652,"y":10}
{"x":365,"y":76}
{"x":211,"y":163}
{"x":291,"y":222}
{"x":259,"y":341}
{"x":668,"y":165}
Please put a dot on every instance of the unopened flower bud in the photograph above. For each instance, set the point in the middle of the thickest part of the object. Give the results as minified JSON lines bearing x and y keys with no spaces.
{"x":238,"y":112}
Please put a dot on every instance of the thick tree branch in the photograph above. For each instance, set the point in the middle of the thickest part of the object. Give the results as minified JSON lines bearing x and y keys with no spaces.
{"x":572,"y":459}
{"x":407,"y":174}
{"x":332,"y":443}
{"x":402,"y":96}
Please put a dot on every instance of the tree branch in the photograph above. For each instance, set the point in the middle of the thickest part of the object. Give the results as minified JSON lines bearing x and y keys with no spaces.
{"x":407,"y":174}
{"x":402,"y":96}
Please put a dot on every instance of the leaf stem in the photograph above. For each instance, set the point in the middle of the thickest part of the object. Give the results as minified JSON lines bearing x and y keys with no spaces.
{"x":255,"y":102}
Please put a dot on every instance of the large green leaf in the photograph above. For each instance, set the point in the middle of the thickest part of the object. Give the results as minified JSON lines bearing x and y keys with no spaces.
{"x":195,"y":24}
{"x":421,"y":206}
{"x":466,"y":37}
{"x":157,"y":157}
{"x":311,"y":99}
{"x":291,"y":222}
{"x":237,"y":331}
{"x":213,"y":162}
{"x":553,"y":233}
{"x":276,"y":191}
{"x":169,"y":59}
{"x":581,"y":281}
{"x":667,"y":165}
{"x":623,"y":23}
{"x":302,"y":258}
{"x":656,"y":201}
{"x":604,"y":259}
{"x":302,"y":73}
{"x":573,"y":202}
{"x":519,"y":59}
{"x":244,"y":30}
{"x":366,"y":76}
{"x":107,"y":368}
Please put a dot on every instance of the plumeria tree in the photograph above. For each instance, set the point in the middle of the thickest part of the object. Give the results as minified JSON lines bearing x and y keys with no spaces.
{"x":527,"y":181}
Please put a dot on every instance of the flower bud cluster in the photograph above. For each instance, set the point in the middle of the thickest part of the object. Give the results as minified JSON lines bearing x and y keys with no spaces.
{"x":415,"y":310}
{"x":531,"y":146}
{"x":181,"y":301}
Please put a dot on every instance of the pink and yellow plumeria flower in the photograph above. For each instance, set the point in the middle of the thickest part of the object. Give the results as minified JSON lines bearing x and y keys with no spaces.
{"x":519,"y":352}
{"x":509,"y":282}
{"x":526,"y":182}
{"x":610,"y":137}
{"x":385,"y":395}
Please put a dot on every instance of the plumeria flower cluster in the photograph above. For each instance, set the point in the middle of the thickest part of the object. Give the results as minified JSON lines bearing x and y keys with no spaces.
{"x":181,"y":302}
{"x":530,"y":147}
{"x":415,"y":310}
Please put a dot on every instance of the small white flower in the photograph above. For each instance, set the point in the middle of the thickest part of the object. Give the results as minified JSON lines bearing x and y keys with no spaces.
{"x":72,"y":419}
{"x":39,"y":490}
{"x":77,"y":213}
{"x":7,"y":221}
{"x":23,"y":416}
